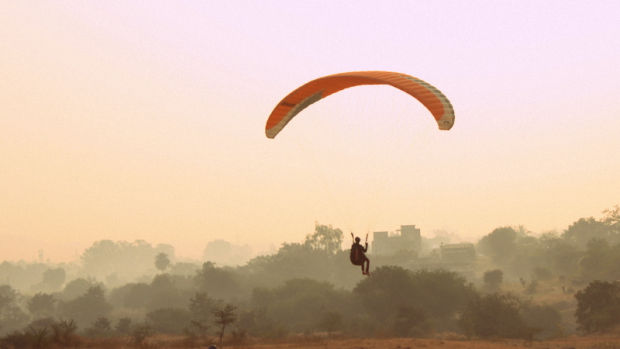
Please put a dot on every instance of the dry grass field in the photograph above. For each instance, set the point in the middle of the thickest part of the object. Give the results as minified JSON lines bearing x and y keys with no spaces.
{"x":575,"y":342}
{"x":603,"y":342}
{"x":408,"y":343}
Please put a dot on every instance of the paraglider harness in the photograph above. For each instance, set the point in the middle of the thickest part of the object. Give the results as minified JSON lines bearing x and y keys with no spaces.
{"x":357,"y":255}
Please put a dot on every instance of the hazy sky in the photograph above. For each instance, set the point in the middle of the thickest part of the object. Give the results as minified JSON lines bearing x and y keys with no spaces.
{"x":131,"y":120}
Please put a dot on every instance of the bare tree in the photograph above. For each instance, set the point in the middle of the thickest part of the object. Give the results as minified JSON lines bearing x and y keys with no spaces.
{"x":224,"y":317}
{"x":63,"y":332}
{"x":141,"y":333}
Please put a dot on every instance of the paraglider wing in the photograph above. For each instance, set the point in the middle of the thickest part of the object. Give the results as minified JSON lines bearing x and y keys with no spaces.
{"x":302,"y":97}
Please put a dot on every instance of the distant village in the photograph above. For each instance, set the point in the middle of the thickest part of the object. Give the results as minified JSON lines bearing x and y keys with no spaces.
{"x":406,"y":243}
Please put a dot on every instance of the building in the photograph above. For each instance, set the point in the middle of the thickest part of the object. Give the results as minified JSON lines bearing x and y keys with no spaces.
{"x":407,"y":238}
{"x":463,"y":253}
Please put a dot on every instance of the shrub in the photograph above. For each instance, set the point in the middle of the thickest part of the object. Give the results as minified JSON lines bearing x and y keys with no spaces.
{"x":544,"y":320}
{"x":411,"y":322}
{"x":140,"y":333}
{"x":63,"y":332}
{"x":16,"y":339}
{"x":100,"y":328}
{"x":331,"y":321}
{"x":494,"y":315}
{"x":123,"y":326}
{"x":88,"y":307}
{"x":598,"y":306}
{"x":169,"y":320}
{"x":493,"y":279}
{"x":439,"y":294}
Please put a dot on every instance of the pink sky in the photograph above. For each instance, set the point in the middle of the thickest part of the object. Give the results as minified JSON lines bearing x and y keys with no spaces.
{"x":145,"y":120}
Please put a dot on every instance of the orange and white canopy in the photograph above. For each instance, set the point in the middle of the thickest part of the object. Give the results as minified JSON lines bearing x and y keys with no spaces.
{"x":302,"y":97}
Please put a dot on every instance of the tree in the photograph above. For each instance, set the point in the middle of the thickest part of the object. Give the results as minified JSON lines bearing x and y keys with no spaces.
{"x":586,"y":229}
{"x":169,"y":320}
{"x":102,"y":257}
{"x":184,"y":268}
{"x":11,"y":315}
{"x":140,"y":333}
{"x":544,"y":320}
{"x":123,"y":326}
{"x":297,"y":304}
{"x":42,"y":305}
{"x":224,"y":317}
{"x":598,"y":306}
{"x":38,"y":331}
{"x":295,"y":260}
{"x":7,"y":296}
{"x":387,"y":289}
{"x":54,"y":278}
{"x":223,"y":252}
{"x":200,"y":308}
{"x":100,"y":328}
{"x":331,"y":321}
{"x":88,"y":307}
{"x":162,"y":261}
{"x":127,"y":260}
{"x":393,"y":296}
{"x":493,"y":279}
{"x":597,"y":262}
{"x":218,"y":282}
{"x":63,"y":332}
{"x":76,"y":288}
{"x":612,"y":219}
{"x":494,"y":315}
{"x":325,"y":238}
{"x":165,"y":292}
{"x":410,"y":321}
{"x":559,"y":254}
{"x":132,"y":295}
{"x":500,"y":244}
{"x":542,"y":274}
{"x":441,"y":294}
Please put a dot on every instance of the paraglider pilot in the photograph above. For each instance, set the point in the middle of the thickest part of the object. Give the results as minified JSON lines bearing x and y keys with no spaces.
{"x":358,"y":256}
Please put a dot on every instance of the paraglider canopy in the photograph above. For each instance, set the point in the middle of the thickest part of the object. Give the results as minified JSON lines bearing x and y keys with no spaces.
{"x":313,"y":91}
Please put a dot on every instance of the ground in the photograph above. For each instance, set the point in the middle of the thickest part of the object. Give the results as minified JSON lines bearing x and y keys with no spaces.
{"x":407,"y":343}
{"x":573,"y":342}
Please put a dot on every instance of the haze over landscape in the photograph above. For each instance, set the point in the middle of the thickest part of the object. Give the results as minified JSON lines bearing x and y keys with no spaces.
{"x":142,"y":203}
{"x":127,"y":120}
